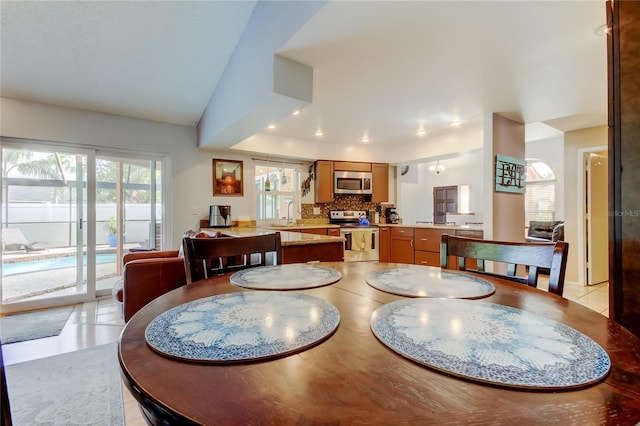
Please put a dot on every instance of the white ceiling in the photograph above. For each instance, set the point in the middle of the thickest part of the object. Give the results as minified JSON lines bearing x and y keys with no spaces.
{"x":156,"y":60}
{"x":380,"y":68}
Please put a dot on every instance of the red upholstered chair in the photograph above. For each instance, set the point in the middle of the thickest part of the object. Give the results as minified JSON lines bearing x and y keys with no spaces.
{"x":147,"y":275}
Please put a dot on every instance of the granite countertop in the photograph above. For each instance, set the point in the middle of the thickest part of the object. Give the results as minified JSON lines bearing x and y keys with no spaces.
{"x":287,"y":238}
{"x":421,"y":225}
{"x":301,"y":226}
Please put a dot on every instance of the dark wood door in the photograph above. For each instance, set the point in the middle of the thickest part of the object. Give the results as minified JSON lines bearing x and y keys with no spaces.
{"x":445,"y":200}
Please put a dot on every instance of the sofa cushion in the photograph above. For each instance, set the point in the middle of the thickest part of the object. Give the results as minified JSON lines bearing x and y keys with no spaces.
{"x":558,"y":233}
{"x":542,"y":228}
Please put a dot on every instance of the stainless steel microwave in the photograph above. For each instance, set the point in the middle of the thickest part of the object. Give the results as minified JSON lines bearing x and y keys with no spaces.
{"x":352,"y":183}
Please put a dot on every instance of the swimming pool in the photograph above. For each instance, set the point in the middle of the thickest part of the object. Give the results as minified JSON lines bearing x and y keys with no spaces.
{"x":15,"y":268}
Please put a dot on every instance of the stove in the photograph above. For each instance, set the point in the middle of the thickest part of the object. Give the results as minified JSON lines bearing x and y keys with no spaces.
{"x":347,"y":218}
{"x":365,"y":247}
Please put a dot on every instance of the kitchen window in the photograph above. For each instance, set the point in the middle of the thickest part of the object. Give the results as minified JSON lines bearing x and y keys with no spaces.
{"x":277,"y":189}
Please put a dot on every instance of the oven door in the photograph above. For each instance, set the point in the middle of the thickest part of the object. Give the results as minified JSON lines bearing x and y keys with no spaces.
{"x":360,"y":246}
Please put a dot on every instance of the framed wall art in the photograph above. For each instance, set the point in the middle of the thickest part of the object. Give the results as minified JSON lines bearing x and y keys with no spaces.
{"x":511,"y":174}
{"x":227,"y":178}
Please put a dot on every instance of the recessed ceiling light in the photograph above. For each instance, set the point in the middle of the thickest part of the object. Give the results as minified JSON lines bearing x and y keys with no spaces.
{"x":296,"y":112}
{"x":421,"y":131}
{"x":365,"y":139}
{"x":318,"y":133}
{"x":271,"y":126}
{"x":454,"y":123}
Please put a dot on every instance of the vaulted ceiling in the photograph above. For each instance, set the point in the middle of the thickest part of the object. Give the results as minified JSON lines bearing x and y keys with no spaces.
{"x":380,"y":69}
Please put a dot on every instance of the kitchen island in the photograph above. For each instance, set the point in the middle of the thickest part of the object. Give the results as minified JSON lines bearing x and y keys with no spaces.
{"x":420,"y":243}
{"x":297,"y":247}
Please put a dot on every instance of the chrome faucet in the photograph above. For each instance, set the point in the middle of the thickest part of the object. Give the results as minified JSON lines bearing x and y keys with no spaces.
{"x":289,"y":211}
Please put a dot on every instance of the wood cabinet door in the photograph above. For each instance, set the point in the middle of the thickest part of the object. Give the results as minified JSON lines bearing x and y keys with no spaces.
{"x":324,"y":181}
{"x":429,"y":239}
{"x":317,"y":231}
{"x":380,"y":184}
{"x":401,"y":231}
{"x":402,"y":249}
{"x":351,"y":166}
{"x":385,"y":243}
{"x":427,"y":258}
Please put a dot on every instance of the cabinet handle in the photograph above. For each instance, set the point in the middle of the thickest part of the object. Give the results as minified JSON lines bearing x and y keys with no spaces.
{"x":424,"y":262}
{"x":411,"y":242}
{"x":423,"y":239}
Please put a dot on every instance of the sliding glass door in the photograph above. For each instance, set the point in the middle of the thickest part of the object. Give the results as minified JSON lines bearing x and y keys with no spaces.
{"x":128,"y":211}
{"x":44,"y":211}
{"x":68,"y":217}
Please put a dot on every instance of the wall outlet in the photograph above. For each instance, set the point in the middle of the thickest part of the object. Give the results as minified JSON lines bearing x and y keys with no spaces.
{"x":316,"y":210}
{"x":194,"y":211}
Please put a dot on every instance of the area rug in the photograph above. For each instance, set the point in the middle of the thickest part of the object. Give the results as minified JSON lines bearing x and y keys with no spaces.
{"x":76,"y":388}
{"x":33,"y":325}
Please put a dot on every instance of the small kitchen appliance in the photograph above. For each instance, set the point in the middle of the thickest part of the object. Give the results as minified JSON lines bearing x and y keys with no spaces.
{"x":392,"y":215}
{"x":219,"y":216}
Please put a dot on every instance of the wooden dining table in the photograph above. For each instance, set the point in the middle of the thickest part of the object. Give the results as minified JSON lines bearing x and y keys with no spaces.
{"x":352,"y":378}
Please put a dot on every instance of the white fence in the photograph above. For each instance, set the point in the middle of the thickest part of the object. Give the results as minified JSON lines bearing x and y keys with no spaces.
{"x":55,"y":224}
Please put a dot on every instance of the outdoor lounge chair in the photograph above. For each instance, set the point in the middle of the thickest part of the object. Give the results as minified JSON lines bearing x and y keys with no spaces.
{"x":13,"y":240}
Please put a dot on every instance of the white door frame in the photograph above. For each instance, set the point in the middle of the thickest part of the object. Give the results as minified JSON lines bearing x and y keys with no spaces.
{"x":582,"y":279}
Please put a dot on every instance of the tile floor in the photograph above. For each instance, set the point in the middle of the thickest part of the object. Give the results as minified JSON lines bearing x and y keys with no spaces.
{"x":99,"y":322}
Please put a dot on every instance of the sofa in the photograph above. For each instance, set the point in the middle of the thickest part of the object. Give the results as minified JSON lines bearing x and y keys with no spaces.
{"x":545,"y":231}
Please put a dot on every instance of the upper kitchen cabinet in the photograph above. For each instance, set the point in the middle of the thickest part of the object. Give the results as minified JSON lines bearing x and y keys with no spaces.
{"x":350,"y":166}
{"x":324,"y":181}
{"x":380,"y":184}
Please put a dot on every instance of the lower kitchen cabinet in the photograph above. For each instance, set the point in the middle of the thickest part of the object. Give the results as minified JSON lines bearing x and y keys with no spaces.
{"x":420,"y":246}
{"x":402,"y":247}
{"x":334,"y":232}
{"x":385,"y":243}
{"x":428,"y":246}
{"x":317,"y":231}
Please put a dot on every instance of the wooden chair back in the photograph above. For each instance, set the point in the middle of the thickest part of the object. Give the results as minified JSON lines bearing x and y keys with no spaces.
{"x":206,"y":257}
{"x":551,"y":256}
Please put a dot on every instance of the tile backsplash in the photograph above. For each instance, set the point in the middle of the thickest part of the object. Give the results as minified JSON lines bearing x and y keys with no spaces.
{"x":341,"y":202}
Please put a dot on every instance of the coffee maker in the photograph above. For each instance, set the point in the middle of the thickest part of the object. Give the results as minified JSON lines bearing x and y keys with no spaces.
{"x":219,"y":216}
{"x":391,"y":214}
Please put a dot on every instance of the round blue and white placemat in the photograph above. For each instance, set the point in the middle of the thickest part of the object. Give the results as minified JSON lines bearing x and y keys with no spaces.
{"x":243,"y":326}
{"x":294,"y":276}
{"x":427,"y":281}
{"x":490,"y":343}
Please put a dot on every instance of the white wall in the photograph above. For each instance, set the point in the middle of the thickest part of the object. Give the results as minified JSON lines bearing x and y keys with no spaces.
{"x":191,"y":169}
{"x":35,"y":121}
{"x":551,"y":151}
{"x":416,"y":199}
{"x":573,"y":143}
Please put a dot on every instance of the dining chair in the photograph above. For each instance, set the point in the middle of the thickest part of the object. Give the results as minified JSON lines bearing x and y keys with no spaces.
{"x":534,"y":256}
{"x":207,"y":257}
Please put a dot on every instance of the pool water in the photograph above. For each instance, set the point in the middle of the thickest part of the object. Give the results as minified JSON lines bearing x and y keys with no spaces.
{"x":15,"y":268}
